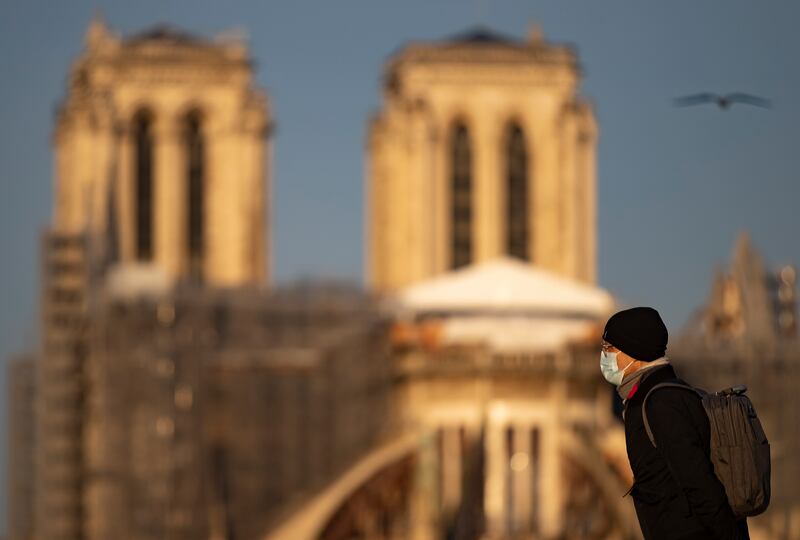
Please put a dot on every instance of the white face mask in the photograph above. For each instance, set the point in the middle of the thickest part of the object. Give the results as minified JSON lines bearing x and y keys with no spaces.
{"x":610,"y":369}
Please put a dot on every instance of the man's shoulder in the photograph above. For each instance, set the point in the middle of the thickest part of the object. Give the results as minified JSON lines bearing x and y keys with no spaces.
{"x":673,"y":384}
{"x":673,"y":393}
{"x":659,"y":375}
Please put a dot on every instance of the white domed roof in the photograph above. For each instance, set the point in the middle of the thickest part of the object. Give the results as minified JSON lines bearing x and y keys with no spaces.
{"x":508,"y":285}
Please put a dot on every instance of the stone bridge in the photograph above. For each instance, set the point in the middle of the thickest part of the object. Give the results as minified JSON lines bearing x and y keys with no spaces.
{"x":398,"y":491}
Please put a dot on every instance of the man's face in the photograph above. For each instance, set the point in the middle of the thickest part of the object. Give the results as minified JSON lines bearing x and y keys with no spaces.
{"x":622,"y":358}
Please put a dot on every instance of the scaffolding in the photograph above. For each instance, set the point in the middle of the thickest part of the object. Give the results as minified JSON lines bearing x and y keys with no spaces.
{"x":212,"y":411}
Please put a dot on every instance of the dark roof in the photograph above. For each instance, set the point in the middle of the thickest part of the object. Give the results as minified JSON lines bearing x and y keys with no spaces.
{"x":482,"y":35}
{"x":166,"y":32}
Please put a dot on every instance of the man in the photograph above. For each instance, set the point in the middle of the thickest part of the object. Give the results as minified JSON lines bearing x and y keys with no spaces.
{"x":675,"y":492}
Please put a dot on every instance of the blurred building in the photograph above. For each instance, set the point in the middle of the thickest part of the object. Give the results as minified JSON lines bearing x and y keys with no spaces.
{"x":504,"y":428}
{"x":500,"y":359}
{"x":484,"y":147}
{"x":160,"y":144}
{"x":61,"y":391}
{"x":211,"y":411}
{"x":21,"y":439}
{"x":174,"y":396}
{"x":746,"y":333}
{"x":189,"y":411}
{"x":480,"y":227}
{"x":750,"y":303}
{"x":159,"y":163}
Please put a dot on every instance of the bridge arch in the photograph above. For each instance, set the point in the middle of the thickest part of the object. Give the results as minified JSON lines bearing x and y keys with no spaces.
{"x":367,"y":498}
{"x":585,"y":457}
{"x":323,"y":513}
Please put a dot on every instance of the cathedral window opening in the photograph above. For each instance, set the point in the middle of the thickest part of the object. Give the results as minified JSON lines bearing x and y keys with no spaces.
{"x":195,"y":180}
{"x":143,"y":137}
{"x":461,"y":205}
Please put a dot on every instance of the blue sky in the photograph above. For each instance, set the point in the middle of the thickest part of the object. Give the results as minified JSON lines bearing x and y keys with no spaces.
{"x":676,"y":186}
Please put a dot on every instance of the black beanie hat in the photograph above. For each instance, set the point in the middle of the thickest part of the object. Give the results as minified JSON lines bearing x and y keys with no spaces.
{"x":638,"y":332}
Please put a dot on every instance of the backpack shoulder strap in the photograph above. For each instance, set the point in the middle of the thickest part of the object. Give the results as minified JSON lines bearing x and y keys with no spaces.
{"x":656,"y":387}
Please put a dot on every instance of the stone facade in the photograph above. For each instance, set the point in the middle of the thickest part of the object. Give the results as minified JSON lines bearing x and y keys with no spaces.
{"x":21,"y":445}
{"x":61,"y":388}
{"x":160,"y":170}
{"x":160,"y":144}
{"x":538,"y":422}
{"x":747,"y":333}
{"x":172,"y":400}
{"x":422,"y":188}
{"x":499,"y":360}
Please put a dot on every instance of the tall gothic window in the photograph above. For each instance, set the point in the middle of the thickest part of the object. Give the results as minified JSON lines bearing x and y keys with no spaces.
{"x":461,"y":197}
{"x":195,"y":192}
{"x":143,"y":178}
{"x":517,"y":222}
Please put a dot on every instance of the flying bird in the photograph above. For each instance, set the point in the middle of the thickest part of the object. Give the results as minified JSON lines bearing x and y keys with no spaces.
{"x":722,"y":101}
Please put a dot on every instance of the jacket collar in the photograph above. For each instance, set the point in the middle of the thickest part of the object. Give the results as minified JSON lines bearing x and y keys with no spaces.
{"x":648,"y":381}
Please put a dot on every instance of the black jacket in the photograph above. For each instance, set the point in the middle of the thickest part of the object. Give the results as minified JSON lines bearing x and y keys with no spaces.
{"x":676,"y":493}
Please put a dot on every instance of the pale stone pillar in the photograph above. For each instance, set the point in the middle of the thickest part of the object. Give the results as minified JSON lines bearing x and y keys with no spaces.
{"x":125,"y":195}
{"x":487,"y":215}
{"x":408,"y":185}
{"x":496,"y":474}
{"x":588,"y":159}
{"x":385,"y":168}
{"x":534,"y":221}
{"x":397,"y":194}
{"x":373,"y":218}
{"x":521,"y":467}
{"x":423,"y":496}
{"x":266,"y":178}
{"x":496,"y":211}
{"x":98,"y":180}
{"x":451,"y":468}
{"x":243,"y":176}
{"x":441,"y":196}
{"x":419,"y":180}
{"x":222,"y":211}
{"x":259,"y":214}
{"x":547,"y":189}
{"x":73,"y":185}
{"x":248,"y":198}
{"x":568,"y":205}
{"x":541,"y":221}
{"x":550,"y":508}
{"x":431,"y":196}
{"x":169,"y":189}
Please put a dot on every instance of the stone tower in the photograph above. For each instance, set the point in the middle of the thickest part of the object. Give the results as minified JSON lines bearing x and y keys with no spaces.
{"x":483,"y":147}
{"x":165,"y":134}
{"x":160,"y":168}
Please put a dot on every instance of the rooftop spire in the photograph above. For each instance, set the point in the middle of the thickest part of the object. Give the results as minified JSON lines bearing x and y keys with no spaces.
{"x":535,"y":36}
{"x":98,"y":34}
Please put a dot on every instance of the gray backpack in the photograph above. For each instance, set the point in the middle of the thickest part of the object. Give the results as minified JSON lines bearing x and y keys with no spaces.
{"x":739,"y":446}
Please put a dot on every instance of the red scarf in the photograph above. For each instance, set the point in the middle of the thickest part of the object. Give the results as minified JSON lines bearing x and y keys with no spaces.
{"x":633,"y":390}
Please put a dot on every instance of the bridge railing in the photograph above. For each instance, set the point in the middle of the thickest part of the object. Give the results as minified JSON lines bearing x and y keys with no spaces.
{"x":578,"y":362}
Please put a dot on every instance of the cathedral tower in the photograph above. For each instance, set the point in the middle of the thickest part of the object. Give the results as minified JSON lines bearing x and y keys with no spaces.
{"x":160,"y":165}
{"x":160,"y":144}
{"x":483,"y":148}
